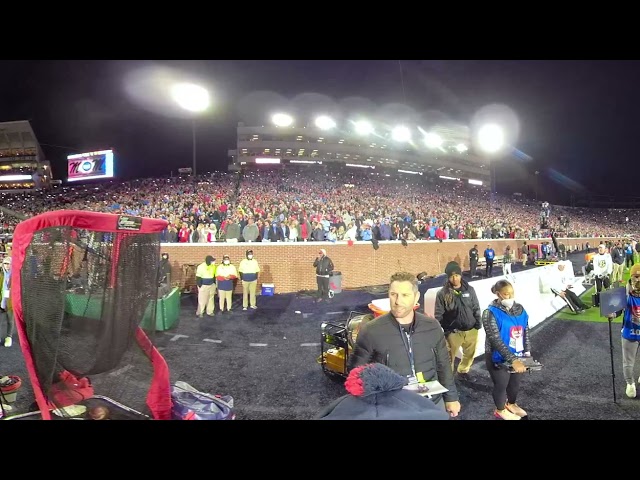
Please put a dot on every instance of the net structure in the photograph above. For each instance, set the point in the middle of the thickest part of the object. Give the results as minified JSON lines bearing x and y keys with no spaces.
{"x":84,"y":290}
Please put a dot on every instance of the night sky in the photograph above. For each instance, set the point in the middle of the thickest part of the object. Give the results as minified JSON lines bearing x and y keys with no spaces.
{"x":578,"y":120}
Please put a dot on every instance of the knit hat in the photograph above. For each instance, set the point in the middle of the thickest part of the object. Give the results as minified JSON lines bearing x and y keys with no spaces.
{"x":635,"y":270}
{"x":376,"y":393}
{"x":452,"y":268}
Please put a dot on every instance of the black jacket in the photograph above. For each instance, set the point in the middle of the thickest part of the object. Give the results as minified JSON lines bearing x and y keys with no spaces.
{"x":381,"y":341}
{"x":324,"y":265}
{"x":458,"y":310}
{"x":164,"y":269}
{"x":618,"y":255}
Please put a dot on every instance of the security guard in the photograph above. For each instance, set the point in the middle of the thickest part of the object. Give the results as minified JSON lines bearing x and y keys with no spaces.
{"x":225,"y":275}
{"x":249,"y":270}
{"x":205,"y":279}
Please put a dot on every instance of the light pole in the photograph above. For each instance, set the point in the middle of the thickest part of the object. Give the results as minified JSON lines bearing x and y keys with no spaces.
{"x":193,"y":129}
{"x":195,"y":99}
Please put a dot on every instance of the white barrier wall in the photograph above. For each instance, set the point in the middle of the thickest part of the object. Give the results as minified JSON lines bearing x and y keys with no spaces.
{"x":531,"y":288}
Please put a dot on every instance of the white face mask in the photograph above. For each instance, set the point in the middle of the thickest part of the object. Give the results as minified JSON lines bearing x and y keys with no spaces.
{"x":227,"y":262}
{"x":508,"y":302}
{"x":250,"y":257}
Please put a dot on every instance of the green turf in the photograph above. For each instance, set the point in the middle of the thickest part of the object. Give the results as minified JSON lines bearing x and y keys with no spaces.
{"x":593,"y":313}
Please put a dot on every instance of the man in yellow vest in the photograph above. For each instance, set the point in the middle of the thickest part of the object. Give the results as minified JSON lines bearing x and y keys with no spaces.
{"x":225,"y":275}
{"x":249,"y":270}
{"x":205,"y":279}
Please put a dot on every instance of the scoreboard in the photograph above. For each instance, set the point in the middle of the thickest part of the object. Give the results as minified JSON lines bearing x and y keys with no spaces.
{"x":90,"y":166}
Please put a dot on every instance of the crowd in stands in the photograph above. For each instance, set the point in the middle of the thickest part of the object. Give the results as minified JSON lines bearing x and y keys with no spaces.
{"x":298,"y":205}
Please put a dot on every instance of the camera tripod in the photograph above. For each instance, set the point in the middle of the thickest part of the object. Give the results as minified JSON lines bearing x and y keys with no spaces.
{"x":613,"y":372}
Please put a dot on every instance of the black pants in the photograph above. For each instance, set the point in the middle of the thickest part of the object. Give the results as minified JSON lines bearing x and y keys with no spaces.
{"x":323,"y":286}
{"x":505,"y":385}
{"x":602,"y":282}
{"x":629,"y":259}
{"x":473,"y":264}
{"x":10,"y":323}
{"x":572,"y":300}
{"x":489,"y":269}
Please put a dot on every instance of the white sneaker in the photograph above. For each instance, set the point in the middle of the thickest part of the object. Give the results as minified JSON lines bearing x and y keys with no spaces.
{"x":631,"y":390}
{"x":516,"y":410}
{"x":8,"y":342}
{"x":506,"y":415}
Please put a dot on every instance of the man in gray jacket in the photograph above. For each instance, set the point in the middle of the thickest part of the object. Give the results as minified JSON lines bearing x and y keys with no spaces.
{"x":250,"y":231}
{"x":408,"y":342}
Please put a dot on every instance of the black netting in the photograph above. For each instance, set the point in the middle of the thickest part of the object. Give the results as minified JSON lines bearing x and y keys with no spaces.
{"x":84,"y":294}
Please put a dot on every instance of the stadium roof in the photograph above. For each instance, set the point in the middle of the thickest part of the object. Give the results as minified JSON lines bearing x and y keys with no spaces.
{"x":18,"y":135}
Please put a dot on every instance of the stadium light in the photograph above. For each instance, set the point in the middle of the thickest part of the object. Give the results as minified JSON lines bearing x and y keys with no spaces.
{"x":461,"y":148}
{"x":491,"y":138}
{"x":15,"y":178}
{"x":324,"y":122}
{"x":363,"y":127}
{"x":432,"y":140}
{"x":401,"y":134}
{"x":195,"y":99}
{"x":282,"y":120}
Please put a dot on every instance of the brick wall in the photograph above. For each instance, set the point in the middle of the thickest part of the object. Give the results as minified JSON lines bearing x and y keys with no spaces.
{"x":290,"y":266}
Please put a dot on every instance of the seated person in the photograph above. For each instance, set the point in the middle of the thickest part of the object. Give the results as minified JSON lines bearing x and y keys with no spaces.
{"x":561,"y":284}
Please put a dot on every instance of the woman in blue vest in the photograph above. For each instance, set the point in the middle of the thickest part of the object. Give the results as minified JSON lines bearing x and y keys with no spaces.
{"x":506,"y":324}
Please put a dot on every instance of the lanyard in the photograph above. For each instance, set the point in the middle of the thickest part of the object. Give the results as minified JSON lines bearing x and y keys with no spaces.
{"x":406,"y":341}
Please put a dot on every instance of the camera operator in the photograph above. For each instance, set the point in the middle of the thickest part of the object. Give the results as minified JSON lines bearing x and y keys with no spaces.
{"x":602,"y":269}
